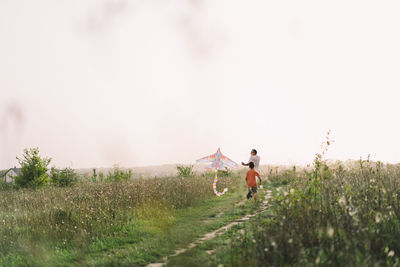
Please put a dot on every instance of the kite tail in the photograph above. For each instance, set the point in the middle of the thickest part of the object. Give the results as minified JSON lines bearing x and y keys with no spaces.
{"x":218,"y":194}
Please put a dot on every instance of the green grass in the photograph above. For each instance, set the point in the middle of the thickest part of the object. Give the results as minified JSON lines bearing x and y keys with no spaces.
{"x":104,"y":224}
{"x":189,"y":224}
{"x":320,"y":216}
{"x":219,"y":247}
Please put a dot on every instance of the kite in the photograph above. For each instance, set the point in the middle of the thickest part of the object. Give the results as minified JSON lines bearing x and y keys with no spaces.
{"x":218,"y":162}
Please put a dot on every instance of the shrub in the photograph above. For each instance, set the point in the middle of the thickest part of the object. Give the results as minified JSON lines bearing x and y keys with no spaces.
{"x":65,"y":177}
{"x":185,"y":171}
{"x":228,"y":172}
{"x":34,"y":169}
{"x":6,"y":186}
{"x":117,"y":175}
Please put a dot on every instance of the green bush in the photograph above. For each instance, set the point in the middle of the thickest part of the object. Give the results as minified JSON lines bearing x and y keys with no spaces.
{"x":34,"y":169}
{"x":64,"y":177}
{"x":6,"y":186}
{"x":185,"y":171}
{"x":117,"y":175}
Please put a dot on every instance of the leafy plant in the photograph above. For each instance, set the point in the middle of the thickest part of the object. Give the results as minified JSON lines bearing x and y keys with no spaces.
{"x":64,"y":177}
{"x":34,"y":169}
{"x":118,"y":174}
{"x":185,"y":171}
{"x":226,"y":173}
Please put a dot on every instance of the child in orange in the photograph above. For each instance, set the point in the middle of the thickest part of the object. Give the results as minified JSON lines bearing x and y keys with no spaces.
{"x":252,"y":182}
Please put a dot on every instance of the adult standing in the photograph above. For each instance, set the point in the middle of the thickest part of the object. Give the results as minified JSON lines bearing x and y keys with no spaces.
{"x":253,"y":158}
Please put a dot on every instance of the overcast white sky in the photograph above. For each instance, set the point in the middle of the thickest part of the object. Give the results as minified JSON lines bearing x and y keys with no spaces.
{"x":98,"y":82}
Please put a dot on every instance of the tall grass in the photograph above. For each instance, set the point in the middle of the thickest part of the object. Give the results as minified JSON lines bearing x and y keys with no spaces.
{"x":327,"y":216}
{"x":67,"y":217}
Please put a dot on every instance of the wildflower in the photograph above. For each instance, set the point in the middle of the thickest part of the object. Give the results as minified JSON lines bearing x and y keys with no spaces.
{"x":266,"y":249}
{"x":330,"y":231}
{"x":378,"y":218}
{"x":342,"y":201}
{"x":317,"y":260}
{"x":391,"y":253}
{"x":285,"y":193}
{"x":290,"y":241}
{"x":354,"y":212}
{"x":291,"y":191}
{"x":273,"y":244}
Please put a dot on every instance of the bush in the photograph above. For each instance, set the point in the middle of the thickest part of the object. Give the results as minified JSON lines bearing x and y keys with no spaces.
{"x":117,"y":175}
{"x":65,"y":177}
{"x":34,"y":169}
{"x":6,"y":186}
{"x":226,"y":173}
{"x":185,"y":171}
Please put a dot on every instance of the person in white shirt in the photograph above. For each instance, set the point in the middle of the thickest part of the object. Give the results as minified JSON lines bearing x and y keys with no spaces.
{"x":255,"y":159}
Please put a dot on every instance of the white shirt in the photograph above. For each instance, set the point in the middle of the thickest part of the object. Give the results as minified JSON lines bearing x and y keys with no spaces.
{"x":256,"y":160}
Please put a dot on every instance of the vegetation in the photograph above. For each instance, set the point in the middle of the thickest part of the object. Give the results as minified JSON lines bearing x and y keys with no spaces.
{"x":34,"y":169}
{"x":64,"y":177}
{"x":71,"y":225}
{"x":185,"y":171}
{"x":322,"y":215}
{"x":117,"y":175}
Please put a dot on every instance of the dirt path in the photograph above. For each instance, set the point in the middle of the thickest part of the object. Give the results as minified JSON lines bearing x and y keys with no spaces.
{"x":219,"y":231}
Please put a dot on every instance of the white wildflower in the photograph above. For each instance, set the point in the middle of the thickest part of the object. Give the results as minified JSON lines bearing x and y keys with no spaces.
{"x":391,"y":253}
{"x":378,"y":218}
{"x":353,"y":212}
{"x":342,"y":201}
{"x":330,"y":231}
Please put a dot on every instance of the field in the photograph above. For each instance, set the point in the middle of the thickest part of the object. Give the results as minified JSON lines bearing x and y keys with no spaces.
{"x":336,"y":215}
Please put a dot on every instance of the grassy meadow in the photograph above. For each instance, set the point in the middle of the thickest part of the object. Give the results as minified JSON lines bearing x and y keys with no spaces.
{"x":130,"y":222}
{"x":324,"y":215}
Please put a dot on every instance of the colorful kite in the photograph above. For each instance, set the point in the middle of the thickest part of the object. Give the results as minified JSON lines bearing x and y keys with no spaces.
{"x":218,"y":162}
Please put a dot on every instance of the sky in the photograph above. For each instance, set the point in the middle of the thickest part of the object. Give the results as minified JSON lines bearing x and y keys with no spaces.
{"x":101,"y":82}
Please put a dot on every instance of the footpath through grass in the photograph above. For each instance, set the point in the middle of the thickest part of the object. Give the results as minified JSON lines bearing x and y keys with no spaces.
{"x":152,"y":243}
{"x":218,"y":250}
